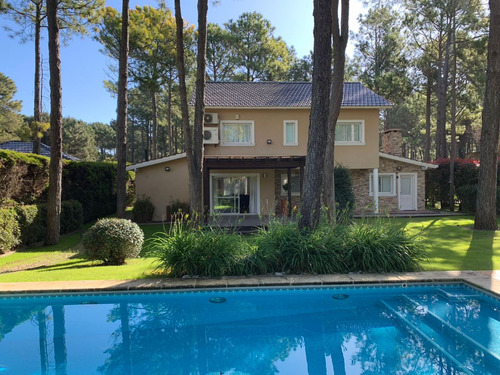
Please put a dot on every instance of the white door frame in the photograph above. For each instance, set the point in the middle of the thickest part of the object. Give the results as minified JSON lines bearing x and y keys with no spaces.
{"x":414,"y":190}
{"x":235,"y":175}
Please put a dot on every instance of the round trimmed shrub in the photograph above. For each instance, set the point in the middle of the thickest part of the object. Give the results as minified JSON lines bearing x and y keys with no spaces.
{"x":113,"y":240}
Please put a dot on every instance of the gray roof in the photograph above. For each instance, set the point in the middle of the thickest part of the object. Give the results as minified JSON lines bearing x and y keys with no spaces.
{"x":27,"y":148}
{"x":283,"y":94}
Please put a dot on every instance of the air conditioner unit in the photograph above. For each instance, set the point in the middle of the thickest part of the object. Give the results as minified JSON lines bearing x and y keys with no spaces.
{"x":211,"y":118}
{"x":210,"y":135}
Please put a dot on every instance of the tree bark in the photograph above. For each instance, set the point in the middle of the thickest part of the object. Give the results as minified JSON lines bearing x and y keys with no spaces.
{"x":154,"y":111}
{"x":453,"y":142}
{"x":318,"y":121}
{"x":55,"y":166}
{"x":169,"y":117}
{"x":340,"y":38}
{"x":121,"y":120}
{"x":193,"y":142}
{"x":486,"y":192}
{"x":428,"y":110}
{"x":441,"y":150}
{"x":37,"y":115}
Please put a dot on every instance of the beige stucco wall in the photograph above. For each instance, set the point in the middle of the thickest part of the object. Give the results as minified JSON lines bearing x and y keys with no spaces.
{"x":268,"y":124}
{"x":163,"y":187}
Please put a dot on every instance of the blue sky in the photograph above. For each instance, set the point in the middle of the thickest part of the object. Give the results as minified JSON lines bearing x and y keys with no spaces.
{"x":84,"y":68}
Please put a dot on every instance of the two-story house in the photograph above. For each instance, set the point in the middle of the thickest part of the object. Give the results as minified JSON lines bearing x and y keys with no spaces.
{"x":255,"y":148}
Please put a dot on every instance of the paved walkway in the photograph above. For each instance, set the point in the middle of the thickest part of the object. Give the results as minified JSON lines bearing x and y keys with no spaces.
{"x":487,"y":280}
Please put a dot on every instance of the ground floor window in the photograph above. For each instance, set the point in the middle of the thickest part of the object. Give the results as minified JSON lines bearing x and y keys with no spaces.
{"x":234,"y":194}
{"x":386,"y":184}
{"x":294,"y":184}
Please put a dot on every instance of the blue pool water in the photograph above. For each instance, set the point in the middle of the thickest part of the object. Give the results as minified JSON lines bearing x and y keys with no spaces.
{"x":418,"y":329}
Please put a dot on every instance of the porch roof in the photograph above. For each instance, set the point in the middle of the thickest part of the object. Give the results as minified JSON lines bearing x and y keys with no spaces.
{"x":254,"y":162}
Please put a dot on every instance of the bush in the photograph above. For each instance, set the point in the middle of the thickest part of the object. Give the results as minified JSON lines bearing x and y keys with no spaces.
{"x":379,"y":247}
{"x":113,"y":240}
{"x":9,"y":230}
{"x":175,"y":208}
{"x":71,"y":216}
{"x":344,"y":193}
{"x":468,"y":194}
{"x":189,"y":250}
{"x":143,"y":210}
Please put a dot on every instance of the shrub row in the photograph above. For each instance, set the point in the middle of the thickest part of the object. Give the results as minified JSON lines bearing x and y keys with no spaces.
{"x":467,"y":196}
{"x":360,"y":246}
{"x":24,"y":179}
{"x":26,"y":224}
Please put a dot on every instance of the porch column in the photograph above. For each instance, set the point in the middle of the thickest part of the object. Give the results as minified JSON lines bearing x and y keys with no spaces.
{"x":375,"y":189}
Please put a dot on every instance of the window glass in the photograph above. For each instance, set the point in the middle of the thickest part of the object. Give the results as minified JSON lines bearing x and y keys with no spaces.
{"x":406,"y":186}
{"x":349,"y":132}
{"x":290,"y":132}
{"x":295,"y":185}
{"x":237,"y":133}
{"x":385,"y":184}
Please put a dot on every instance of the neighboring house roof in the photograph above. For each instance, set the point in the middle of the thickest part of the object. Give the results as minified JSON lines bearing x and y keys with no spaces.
{"x":27,"y":148}
{"x":149,"y":163}
{"x":408,"y":161}
{"x":282,"y":95}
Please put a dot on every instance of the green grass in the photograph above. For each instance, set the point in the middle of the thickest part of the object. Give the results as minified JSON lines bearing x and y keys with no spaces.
{"x":451,"y":242}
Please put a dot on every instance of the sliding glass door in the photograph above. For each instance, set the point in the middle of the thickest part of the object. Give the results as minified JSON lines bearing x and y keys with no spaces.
{"x":234,"y":194}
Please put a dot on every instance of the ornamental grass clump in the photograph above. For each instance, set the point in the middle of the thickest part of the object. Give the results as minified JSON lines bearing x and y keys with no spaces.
{"x":113,"y":240}
{"x":380,"y":247}
{"x":190,"y":250}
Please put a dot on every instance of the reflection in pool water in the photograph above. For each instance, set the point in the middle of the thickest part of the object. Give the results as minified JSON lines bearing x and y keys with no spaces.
{"x":419,"y":330}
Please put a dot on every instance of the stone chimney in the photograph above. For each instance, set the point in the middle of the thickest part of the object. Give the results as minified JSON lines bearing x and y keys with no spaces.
{"x":392,"y":142}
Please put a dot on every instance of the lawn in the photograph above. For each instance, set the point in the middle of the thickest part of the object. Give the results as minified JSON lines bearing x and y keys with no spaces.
{"x":451,"y":243}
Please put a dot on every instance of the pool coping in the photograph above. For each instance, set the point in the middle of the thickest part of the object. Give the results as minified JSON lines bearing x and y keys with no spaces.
{"x":489,"y":281}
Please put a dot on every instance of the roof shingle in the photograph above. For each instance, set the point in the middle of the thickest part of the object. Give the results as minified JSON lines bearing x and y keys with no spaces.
{"x":283,"y":94}
{"x":27,"y":148}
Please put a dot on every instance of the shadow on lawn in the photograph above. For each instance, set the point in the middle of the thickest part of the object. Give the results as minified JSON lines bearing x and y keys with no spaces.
{"x":479,"y":255}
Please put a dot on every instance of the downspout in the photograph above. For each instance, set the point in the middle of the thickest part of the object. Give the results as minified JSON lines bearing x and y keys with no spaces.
{"x":375,"y":189}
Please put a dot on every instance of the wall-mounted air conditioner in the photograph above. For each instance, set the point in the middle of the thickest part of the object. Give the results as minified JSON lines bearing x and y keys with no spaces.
{"x":210,"y":135}
{"x":211,"y":118}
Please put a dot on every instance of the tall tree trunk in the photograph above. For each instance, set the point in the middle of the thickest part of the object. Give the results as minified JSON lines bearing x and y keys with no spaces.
{"x":441,"y":150}
{"x":340,"y":36}
{"x":193,"y":142}
{"x":169,"y":116}
{"x":121,"y":121}
{"x":428,"y":112}
{"x":37,"y":115}
{"x":318,"y":120}
{"x":486,"y":191}
{"x":453,"y":140}
{"x":55,"y":166}
{"x":154,"y":110}
{"x":132,"y":139}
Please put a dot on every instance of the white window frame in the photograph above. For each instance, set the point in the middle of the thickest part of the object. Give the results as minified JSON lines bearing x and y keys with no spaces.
{"x":361,"y":141}
{"x":393,"y":192}
{"x":295,"y":130}
{"x":235,"y":122}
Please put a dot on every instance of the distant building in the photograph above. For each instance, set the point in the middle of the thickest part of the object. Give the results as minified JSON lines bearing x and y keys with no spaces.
{"x":27,"y":148}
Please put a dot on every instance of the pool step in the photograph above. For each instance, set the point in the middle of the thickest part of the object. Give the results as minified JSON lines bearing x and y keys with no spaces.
{"x":458,"y":347}
{"x":460,"y":296}
{"x":447,"y":329}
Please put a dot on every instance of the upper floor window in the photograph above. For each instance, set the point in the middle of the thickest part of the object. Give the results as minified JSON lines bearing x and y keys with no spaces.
{"x":237,"y":133}
{"x":290,"y":133}
{"x":350,"y":133}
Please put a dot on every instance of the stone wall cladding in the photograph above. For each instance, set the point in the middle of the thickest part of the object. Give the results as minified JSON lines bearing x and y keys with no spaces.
{"x":392,"y":142}
{"x":361,"y":186}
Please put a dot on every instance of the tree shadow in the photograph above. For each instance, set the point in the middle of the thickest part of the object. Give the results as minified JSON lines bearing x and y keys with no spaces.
{"x":479,"y":255}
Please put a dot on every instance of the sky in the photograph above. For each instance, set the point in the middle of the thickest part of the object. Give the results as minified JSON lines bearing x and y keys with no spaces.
{"x":84,"y":67}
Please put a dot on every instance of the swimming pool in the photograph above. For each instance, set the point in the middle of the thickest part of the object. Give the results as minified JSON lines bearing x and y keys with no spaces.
{"x":396,"y":329}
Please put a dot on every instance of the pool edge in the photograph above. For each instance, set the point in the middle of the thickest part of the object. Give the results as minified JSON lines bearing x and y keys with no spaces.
{"x":488,"y":281}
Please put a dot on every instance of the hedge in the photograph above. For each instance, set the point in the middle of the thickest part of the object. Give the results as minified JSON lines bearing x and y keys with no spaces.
{"x":24,"y":179}
{"x":467,"y":196}
{"x":26,"y":224}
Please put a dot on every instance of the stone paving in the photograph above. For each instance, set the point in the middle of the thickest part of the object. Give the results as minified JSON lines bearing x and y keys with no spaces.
{"x":487,"y":280}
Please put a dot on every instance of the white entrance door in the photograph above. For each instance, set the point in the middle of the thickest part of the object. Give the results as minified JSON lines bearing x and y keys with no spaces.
{"x":407,"y":191}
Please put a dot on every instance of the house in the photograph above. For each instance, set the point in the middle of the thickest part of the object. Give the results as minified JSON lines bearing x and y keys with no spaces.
{"x":27,"y":148}
{"x":255,"y":148}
